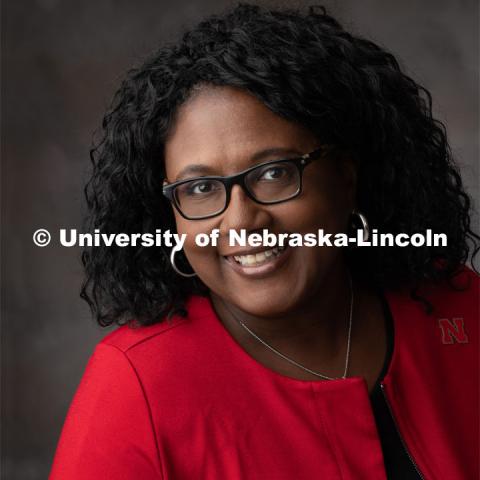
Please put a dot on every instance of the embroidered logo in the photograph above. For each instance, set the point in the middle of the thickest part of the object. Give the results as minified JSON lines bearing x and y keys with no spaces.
{"x":453,"y":331}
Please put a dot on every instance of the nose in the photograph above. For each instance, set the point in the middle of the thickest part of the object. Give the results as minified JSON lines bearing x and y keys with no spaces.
{"x":244,"y":213}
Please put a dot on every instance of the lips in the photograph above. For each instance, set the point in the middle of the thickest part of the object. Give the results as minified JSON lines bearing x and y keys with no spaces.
{"x":258,"y":262}
{"x":256,"y":259}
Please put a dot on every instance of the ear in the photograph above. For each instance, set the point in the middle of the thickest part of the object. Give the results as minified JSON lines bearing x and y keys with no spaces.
{"x":349,"y":168}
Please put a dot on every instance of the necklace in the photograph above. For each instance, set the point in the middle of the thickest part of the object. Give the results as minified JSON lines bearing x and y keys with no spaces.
{"x":293,"y":362}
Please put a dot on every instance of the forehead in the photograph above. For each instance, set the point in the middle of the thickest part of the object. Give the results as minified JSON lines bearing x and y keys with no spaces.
{"x":223,"y":128}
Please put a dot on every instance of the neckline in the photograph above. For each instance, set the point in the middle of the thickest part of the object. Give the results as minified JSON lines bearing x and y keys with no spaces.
{"x":232,"y":343}
{"x":390,"y":338}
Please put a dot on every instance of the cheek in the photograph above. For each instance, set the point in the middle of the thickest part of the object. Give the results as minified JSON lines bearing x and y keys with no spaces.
{"x":308,"y":214}
{"x":321,"y":206}
{"x":325,"y":204}
{"x":200,"y":258}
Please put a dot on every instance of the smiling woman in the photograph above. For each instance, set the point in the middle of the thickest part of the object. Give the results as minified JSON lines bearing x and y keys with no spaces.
{"x":276,"y":363}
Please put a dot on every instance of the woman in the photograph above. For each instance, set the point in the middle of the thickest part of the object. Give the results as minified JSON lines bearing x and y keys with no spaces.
{"x":295,"y":363}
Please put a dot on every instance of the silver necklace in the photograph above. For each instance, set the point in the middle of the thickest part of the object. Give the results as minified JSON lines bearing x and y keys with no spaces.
{"x":293,"y":362}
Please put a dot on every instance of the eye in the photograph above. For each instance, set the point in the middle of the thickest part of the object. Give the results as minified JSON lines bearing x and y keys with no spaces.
{"x":202,"y":187}
{"x":272,"y":173}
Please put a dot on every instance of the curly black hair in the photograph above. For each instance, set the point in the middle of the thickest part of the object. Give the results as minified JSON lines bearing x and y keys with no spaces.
{"x":306,"y":68}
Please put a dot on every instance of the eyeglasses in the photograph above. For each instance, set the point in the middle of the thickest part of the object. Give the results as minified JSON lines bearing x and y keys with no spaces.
{"x":269,"y":183}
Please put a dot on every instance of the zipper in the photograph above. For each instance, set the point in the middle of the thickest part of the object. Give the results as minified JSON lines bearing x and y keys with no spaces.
{"x":382,"y":386}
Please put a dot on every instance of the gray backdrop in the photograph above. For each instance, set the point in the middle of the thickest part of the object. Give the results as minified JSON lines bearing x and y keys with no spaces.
{"x":61,"y":61}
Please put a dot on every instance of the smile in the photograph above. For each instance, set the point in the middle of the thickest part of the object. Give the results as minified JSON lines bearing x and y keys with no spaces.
{"x":259,"y":263}
{"x":260,"y":258}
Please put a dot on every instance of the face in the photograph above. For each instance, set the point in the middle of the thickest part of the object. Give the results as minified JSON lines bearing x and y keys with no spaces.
{"x":224,"y":131}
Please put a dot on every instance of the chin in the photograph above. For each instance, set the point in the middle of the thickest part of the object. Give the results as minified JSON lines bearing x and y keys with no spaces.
{"x":266,"y":302}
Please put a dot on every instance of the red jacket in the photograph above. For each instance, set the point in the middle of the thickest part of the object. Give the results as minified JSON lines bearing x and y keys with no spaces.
{"x":183,"y":400}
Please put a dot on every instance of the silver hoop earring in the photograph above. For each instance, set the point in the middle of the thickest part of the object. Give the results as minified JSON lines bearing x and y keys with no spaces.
{"x":365,"y":226}
{"x":172,"y":261}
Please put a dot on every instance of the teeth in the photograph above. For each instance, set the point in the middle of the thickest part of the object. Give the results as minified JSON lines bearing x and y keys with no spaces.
{"x":258,"y":258}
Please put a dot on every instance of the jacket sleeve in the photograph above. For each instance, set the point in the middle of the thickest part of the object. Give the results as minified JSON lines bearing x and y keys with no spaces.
{"x":108,"y":432}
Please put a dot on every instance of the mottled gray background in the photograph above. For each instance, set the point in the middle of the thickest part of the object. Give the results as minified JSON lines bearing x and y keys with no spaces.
{"x":61,"y":61}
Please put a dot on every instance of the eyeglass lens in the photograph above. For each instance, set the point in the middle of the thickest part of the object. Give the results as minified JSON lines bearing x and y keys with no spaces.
{"x":271,"y":183}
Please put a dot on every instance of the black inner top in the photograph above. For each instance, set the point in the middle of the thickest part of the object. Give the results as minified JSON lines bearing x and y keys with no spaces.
{"x":398,"y":464}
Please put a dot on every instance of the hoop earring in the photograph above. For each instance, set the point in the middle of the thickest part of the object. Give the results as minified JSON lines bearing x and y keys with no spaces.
{"x":365,"y":226}
{"x":172,"y":261}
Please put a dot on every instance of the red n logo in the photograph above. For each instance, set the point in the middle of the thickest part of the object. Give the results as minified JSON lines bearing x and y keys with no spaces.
{"x":452,"y":330}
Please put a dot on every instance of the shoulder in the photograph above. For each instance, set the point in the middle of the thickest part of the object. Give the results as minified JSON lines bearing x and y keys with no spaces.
{"x":164,"y":353}
{"x":460,"y":294}
{"x":462,"y":291}
{"x":137,"y":364}
{"x":127,"y":338}
{"x":128,"y":359}
{"x":166,"y":360}
{"x":453,"y":318}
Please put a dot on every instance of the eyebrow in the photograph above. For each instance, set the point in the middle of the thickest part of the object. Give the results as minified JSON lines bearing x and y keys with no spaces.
{"x":200,"y":169}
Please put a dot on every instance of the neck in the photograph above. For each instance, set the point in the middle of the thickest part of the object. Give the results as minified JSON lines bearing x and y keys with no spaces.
{"x":314,"y":334}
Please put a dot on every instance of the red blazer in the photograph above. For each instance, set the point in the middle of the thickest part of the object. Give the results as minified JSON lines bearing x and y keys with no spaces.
{"x":182,"y":400}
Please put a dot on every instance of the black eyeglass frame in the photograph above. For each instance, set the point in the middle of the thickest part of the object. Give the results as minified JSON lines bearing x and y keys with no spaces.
{"x":239,"y":179}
